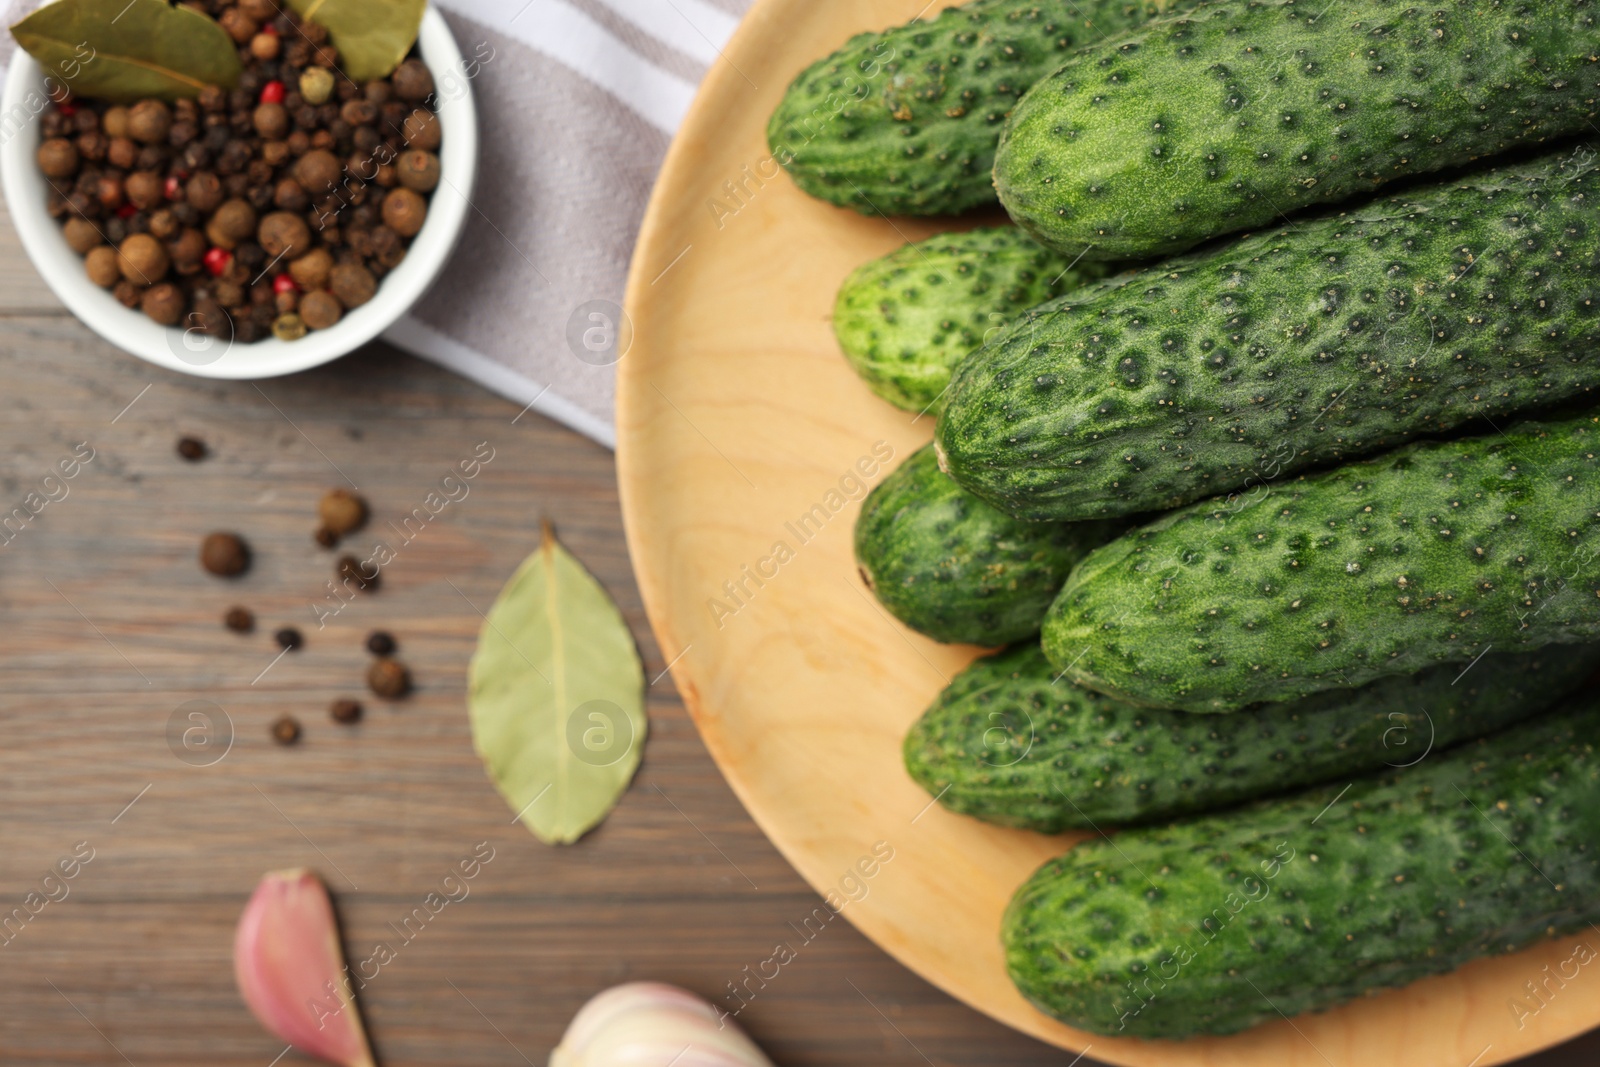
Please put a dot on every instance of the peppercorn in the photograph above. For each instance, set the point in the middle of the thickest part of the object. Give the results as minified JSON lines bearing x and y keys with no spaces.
{"x":353,"y":284}
{"x":418,"y":170}
{"x":325,"y":537}
{"x":320,"y":309}
{"x":142,"y":259}
{"x":164,"y":224}
{"x":122,"y":152}
{"x":404,"y":211}
{"x":192,"y":449}
{"x":318,"y":171}
{"x":380,"y":643}
{"x":204,"y":192}
{"x":82,"y":235}
{"x":114,"y":123}
{"x":326,"y":56}
{"x":353,"y":572}
{"x":311,"y":271}
{"x":359,"y":112}
{"x":285,"y":731}
{"x":103,"y":266}
{"x":187,"y":251}
{"x":288,"y":327}
{"x":58,"y":158}
{"x":263,"y":11}
{"x":127,"y":294}
{"x":342,"y":511}
{"x":288,"y":638}
{"x":412,"y":80}
{"x":284,"y":235}
{"x":93,"y":146}
{"x":212,"y":98}
{"x":240,"y":27}
{"x":265,"y":45}
{"x":233,"y":222}
{"x":389,"y":679}
{"x":345,"y":711}
{"x":183,"y":132}
{"x":144,"y":189}
{"x":287,"y":301}
{"x":224,"y":554}
{"x":149,"y":122}
{"x":316,"y":86}
{"x":271,"y":121}
{"x":239,"y":620}
{"x":164,"y":303}
{"x":151,"y":157}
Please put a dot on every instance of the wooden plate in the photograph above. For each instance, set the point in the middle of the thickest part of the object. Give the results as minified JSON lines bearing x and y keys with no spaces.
{"x":744,"y":443}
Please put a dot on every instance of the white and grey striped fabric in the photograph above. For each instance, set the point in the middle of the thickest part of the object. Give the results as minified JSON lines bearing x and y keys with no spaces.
{"x":577,"y":101}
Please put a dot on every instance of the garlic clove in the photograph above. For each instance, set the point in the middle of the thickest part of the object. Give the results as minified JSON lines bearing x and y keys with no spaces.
{"x":647,"y":1024}
{"x":291,"y":970}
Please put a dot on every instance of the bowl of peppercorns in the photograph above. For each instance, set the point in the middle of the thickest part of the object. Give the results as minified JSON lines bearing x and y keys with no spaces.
{"x":245,"y":198}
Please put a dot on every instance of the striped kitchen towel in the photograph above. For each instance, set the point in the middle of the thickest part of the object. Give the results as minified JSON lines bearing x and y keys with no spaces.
{"x":577,"y":101}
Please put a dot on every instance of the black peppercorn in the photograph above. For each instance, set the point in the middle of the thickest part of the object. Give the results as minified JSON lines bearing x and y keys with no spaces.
{"x":345,"y":711}
{"x":224,"y":554}
{"x":380,"y":643}
{"x":192,"y":449}
{"x":323,"y":536}
{"x":363,"y":576}
{"x":239,"y":620}
{"x":288,"y":638}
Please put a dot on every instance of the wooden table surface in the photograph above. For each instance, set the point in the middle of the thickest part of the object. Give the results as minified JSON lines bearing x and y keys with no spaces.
{"x":109,"y":627}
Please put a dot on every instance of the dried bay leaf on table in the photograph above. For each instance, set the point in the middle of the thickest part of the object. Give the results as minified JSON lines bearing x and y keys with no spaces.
{"x":125,"y":50}
{"x":372,"y":36}
{"x":556,"y":696}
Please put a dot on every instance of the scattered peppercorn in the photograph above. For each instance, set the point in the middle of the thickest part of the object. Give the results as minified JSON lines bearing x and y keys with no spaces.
{"x":192,"y":449}
{"x":380,"y":643}
{"x":288,"y":327}
{"x":224,"y":554}
{"x":353,"y":572}
{"x":345,"y":711}
{"x":239,"y":620}
{"x":286,"y":731}
{"x":325,"y":537}
{"x":288,"y":638}
{"x":342,"y":511}
{"x":103,"y":266}
{"x":389,"y":679}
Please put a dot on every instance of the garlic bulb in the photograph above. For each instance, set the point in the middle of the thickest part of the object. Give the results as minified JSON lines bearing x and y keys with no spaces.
{"x":649,"y":1024}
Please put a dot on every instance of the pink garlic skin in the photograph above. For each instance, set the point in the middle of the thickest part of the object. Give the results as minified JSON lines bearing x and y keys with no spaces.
{"x":648,"y":1024}
{"x":291,"y":970}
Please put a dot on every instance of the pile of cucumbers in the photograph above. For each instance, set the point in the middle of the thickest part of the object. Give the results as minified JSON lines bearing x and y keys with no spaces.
{"x":1265,"y":441}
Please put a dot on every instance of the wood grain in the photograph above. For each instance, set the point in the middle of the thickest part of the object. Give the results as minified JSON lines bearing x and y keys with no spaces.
{"x":741,"y":431}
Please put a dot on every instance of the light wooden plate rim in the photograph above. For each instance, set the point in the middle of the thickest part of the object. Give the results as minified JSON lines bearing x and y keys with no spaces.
{"x":1440,"y":1022}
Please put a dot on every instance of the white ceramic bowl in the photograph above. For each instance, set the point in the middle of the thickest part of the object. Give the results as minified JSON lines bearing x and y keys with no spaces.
{"x":193,"y":352}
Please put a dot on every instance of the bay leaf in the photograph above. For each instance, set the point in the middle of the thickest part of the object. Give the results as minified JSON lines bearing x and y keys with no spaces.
{"x":125,"y":50}
{"x":556,"y":696}
{"x":372,"y":36}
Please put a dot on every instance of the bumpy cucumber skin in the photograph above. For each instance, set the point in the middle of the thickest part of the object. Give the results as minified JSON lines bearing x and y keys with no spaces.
{"x":904,"y":321}
{"x":1008,"y":743}
{"x":1427,"y":555}
{"x":949,"y":566}
{"x":905,"y":122}
{"x":1218,"y":923}
{"x":1334,"y":338}
{"x":1231,"y":115}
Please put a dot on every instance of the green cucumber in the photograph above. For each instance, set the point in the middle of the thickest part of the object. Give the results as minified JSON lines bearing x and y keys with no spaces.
{"x":1330,"y":339}
{"x":949,"y":566}
{"x":1431,"y":554}
{"x":1011,"y":743}
{"x":1218,"y":923}
{"x":1226,"y":117}
{"x":905,"y":122}
{"x":904,"y":321}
